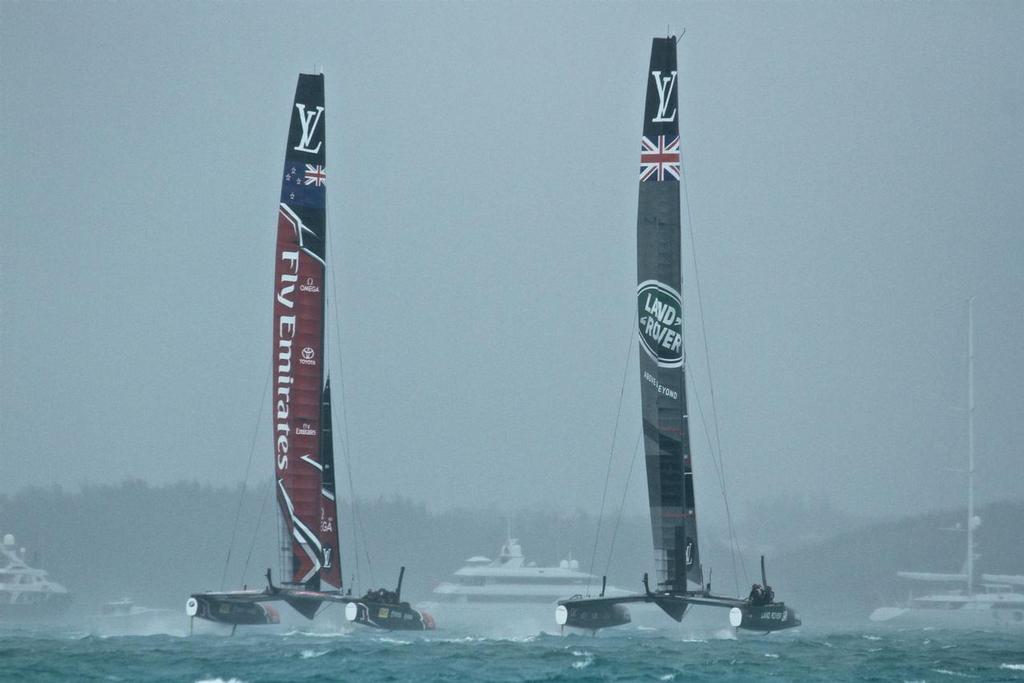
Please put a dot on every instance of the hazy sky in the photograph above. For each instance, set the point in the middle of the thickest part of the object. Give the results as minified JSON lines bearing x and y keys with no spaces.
{"x":854,"y":173}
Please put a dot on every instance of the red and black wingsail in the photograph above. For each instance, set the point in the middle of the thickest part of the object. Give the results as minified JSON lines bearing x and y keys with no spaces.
{"x":299,"y":332}
{"x":660,"y":313}
{"x":303,"y":446}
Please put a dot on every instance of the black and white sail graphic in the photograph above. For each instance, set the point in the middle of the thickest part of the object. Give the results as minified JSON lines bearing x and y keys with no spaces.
{"x":331,"y":571}
{"x":660,"y":314}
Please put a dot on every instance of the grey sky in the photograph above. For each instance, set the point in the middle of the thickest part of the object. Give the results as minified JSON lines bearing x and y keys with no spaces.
{"x":853,"y":171}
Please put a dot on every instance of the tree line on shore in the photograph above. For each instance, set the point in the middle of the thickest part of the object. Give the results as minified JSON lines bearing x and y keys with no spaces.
{"x":156,"y":544}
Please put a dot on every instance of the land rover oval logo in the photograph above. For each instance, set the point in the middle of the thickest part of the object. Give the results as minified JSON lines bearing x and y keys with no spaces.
{"x":660,"y":311}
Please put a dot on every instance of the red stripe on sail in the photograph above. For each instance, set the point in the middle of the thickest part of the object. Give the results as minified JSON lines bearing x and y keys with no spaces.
{"x":298,"y":376}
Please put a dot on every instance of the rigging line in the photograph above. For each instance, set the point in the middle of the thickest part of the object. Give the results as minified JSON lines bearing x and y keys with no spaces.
{"x":357,"y":521}
{"x":358,"y":529}
{"x":720,"y":466}
{"x":255,"y":533}
{"x":245,"y":480}
{"x":611,"y":450}
{"x":718,"y":473}
{"x":622,"y":503}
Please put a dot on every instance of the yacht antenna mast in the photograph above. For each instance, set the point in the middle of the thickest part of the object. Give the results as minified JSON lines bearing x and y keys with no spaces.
{"x":970,"y":446}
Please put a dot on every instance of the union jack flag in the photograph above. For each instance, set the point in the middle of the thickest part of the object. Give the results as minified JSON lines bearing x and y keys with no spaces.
{"x":316,"y":175}
{"x":659,"y":158}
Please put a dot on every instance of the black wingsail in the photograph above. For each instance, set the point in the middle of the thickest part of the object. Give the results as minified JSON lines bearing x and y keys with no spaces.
{"x":663,"y":392}
{"x":660,"y":314}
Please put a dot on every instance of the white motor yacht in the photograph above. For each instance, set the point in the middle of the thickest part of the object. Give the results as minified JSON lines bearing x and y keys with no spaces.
{"x":26,"y":592}
{"x":509,"y":595}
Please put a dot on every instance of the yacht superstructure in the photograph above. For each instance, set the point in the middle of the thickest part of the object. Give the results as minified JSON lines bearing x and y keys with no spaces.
{"x":26,"y":592}
{"x":509,"y":595}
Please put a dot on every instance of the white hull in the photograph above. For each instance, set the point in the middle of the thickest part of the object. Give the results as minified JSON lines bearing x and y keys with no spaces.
{"x":969,"y":616}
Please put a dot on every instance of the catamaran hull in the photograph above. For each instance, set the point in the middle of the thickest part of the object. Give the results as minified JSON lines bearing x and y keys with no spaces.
{"x":597,"y":613}
{"x":767,"y":618}
{"x":231,"y":612}
{"x":388,"y":617}
{"x":592,"y":616}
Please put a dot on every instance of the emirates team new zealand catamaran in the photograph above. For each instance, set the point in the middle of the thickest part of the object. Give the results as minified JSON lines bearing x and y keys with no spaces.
{"x":302,"y":449}
{"x":663,"y":391}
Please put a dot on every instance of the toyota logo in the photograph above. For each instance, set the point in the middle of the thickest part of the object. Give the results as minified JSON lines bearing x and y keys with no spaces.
{"x":307,"y":353}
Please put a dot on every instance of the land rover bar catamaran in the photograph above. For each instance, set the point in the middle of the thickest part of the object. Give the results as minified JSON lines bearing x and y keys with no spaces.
{"x":303,"y":453}
{"x":680,"y":578}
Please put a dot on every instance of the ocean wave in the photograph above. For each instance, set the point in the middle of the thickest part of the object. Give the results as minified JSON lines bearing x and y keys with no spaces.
{"x":395,"y":641}
{"x":252,"y":657}
{"x":317,"y":634}
{"x":583,"y":664}
{"x":482,"y":639}
{"x":463,"y":639}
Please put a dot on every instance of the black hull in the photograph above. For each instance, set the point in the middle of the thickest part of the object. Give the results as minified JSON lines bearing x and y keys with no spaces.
{"x":231,"y":612}
{"x":765,"y":618}
{"x":388,"y":616}
{"x":598,"y":613}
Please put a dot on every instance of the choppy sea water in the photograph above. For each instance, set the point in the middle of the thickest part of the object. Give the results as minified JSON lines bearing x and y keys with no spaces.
{"x":251,"y":657}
